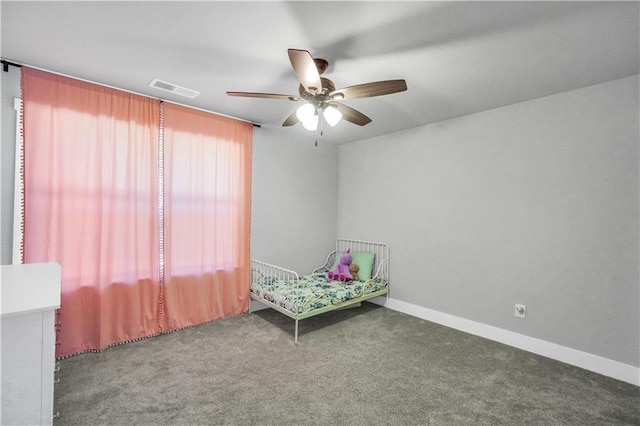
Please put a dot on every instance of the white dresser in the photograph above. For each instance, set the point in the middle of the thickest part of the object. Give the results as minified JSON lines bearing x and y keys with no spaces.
{"x":29,"y":296}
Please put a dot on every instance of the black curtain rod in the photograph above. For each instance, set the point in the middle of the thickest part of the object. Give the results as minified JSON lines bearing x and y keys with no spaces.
{"x":5,"y":65}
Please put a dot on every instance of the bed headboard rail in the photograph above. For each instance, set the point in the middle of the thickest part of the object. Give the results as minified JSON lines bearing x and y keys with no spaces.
{"x":381,"y":251}
{"x":261,"y":270}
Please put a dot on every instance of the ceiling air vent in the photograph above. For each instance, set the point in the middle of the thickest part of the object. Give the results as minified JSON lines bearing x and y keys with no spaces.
{"x":173,"y":88}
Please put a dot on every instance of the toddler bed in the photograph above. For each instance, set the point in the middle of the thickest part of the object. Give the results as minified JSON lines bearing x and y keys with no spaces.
{"x":314,"y":294}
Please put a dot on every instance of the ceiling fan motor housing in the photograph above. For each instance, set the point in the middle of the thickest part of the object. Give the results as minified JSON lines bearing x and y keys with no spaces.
{"x":321,"y":96}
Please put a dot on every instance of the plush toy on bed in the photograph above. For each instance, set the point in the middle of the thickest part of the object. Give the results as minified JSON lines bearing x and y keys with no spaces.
{"x":353,"y":268}
{"x":341,"y":272}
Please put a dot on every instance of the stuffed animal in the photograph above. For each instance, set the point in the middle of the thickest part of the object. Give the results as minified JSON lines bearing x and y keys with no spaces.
{"x":353,"y":268}
{"x":341,"y":271}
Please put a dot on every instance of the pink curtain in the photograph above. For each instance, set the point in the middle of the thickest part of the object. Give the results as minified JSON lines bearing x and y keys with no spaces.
{"x":207,"y":202}
{"x":132,"y":268}
{"x":91,"y":204}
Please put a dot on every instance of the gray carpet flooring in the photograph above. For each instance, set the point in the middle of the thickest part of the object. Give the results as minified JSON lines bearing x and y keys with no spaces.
{"x":363,"y":366}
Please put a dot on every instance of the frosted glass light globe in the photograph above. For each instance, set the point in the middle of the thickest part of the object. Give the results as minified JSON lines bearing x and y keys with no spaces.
{"x":311,"y":123}
{"x":305,"y":112}
{"x":332,"y":115}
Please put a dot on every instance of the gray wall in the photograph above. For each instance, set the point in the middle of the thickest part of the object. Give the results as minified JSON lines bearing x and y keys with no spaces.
{"x":534,"y":203}
{"x":295,"y":186}
{"x":10,"y":84}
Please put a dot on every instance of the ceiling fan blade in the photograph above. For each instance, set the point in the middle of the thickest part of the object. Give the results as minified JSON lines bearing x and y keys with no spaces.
{"x":306,"y":70}
{"x":368,"y":90}
{"x":264,"y":95}
{"x":291,"y":120}
{"x":352,"y":115}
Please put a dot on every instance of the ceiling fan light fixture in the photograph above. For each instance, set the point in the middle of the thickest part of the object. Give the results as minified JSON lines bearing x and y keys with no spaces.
{"x":332,"y":115}
{"x":311,"y":123}
{"x":305,"y":112}
{"x":319,"y":96}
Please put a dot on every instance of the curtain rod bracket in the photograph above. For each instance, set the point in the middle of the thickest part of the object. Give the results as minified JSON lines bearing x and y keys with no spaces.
{"x":5,"y":65}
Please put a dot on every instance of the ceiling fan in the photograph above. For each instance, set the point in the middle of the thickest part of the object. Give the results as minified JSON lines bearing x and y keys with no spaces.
{"x":320,"y":95}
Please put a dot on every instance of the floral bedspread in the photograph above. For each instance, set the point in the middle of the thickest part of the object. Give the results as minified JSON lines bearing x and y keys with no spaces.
{"x":313,"y":291}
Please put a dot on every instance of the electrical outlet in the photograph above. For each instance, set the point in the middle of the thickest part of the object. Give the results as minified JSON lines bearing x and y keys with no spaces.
{"x":521,"y":311}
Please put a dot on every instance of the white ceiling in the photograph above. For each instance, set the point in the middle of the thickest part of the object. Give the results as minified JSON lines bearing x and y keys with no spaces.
{"x":457,"y":57}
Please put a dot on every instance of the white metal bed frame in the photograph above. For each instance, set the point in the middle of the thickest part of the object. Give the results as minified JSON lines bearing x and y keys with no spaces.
{"x":261,"y":270}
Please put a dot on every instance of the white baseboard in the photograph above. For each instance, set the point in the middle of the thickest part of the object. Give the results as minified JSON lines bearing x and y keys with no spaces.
{"x":597,"y":364}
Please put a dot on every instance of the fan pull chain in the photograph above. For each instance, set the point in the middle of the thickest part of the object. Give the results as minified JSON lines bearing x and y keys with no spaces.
{"x":320,"y":127}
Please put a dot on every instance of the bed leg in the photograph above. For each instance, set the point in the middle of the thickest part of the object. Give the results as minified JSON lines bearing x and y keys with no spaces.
{"x":295,"y":338}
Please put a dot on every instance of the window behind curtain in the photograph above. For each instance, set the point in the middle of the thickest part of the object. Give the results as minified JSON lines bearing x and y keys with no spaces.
{"x":95,"y":171}
{"x":91,"y":202}
{"x":207,"y":201}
